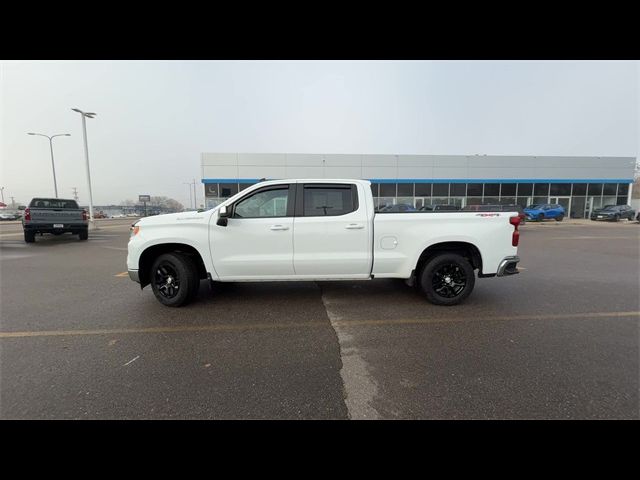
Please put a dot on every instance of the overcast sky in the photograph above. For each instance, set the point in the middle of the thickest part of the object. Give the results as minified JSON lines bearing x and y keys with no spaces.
{"x":155,"y":118}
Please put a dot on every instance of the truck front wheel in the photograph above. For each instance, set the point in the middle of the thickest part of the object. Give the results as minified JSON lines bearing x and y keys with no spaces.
{"x":174,"y":279}
{"x":447,"y":279}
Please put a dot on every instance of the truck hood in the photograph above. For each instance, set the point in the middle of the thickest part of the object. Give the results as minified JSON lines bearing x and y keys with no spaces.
{"x":172,"y":218}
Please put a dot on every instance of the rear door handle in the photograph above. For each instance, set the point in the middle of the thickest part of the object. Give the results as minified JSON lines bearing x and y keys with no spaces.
{"x":278,"y":227}
{"x":354,"y":226}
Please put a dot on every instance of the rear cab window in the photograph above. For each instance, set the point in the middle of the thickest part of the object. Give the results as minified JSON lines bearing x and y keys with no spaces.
{"x":53,"y":203}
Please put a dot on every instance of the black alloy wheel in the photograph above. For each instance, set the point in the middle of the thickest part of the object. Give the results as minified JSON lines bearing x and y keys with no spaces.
{"x":540,"y":217}
{"x":167,"y":280}
{"x":174,"y":279}
{"x":447,"y":279}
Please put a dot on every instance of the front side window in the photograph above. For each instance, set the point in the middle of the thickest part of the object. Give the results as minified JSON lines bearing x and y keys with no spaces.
{"x":323,"y":201}
{"x":266,"y":203}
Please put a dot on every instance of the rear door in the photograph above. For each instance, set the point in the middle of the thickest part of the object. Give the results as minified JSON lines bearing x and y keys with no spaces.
{"x":258,"y":239}
{"x":332,"y":231}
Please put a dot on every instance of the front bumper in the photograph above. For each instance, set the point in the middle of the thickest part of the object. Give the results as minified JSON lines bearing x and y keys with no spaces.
{"x":133,"y":275}
{"x":508,"y":266}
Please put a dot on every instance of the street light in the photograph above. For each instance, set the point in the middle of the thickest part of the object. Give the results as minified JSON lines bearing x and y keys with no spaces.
{"x":86,"y":155}
{"x":190,"y":193}
{"x":53,"y":166}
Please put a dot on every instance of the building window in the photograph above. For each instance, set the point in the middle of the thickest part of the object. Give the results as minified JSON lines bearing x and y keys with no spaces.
{"x":423,"y":189}
{"x":491,"y":189}
{"x":541,"y":190}
{"x":375,"y":188}
{"x":474,"y":190}
{"x":525,"y":189}
{"x":244,"y":186}
{"x":594,"y":189}
{"x":561,"y":189}
{"x":405,"y":190}
{"x":623,"y":189}
{"x":387,"y":189}
{"x":508,"y":189}
{"x":440,"y":189}
{"x":458,"y":189}
{"x":610,"y":189}
{"x":579,"y":189}
{"x":228,"y":189}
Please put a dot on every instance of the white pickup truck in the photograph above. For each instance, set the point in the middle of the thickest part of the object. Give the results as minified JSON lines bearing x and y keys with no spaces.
{"x":317,"y":230}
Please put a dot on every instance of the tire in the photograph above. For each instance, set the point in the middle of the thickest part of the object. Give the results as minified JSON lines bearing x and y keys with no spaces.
{"x":440,"y":272}
{"x":174,"y":279}
{"x":540,"y":217}
{"x":616,"y":218}
{"x":29,"y":237}
{"x":559,"y":218}
{"x":84,"y":235}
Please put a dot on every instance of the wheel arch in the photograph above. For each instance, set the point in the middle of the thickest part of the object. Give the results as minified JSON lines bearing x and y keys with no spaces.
{"x":465,"y":249}
{"x":149,"y":255}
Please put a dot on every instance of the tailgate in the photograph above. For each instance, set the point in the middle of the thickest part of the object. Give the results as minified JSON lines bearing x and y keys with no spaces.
{"x":56,"y":215}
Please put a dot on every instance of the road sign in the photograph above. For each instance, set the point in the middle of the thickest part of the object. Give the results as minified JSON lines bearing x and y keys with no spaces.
{"x":144,"y":198}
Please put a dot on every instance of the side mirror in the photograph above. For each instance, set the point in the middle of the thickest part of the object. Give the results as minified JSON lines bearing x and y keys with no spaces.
{"x":223,"y":216}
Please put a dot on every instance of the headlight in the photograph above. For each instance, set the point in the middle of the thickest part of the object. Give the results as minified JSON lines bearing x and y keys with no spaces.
{"x":133,"y":231}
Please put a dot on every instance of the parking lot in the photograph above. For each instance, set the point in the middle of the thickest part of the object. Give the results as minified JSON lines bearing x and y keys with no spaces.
{"x":560,"y":341}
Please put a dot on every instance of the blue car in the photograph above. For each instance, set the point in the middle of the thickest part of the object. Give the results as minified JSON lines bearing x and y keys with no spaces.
{"x":545,"y":210}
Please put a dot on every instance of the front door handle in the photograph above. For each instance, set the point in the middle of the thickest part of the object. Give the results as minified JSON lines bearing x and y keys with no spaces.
{"x":278,"y":227}
{"x":354,"y":226}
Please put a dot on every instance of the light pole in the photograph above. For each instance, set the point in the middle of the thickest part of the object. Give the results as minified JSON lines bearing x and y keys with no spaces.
{"x":86,"y":155}
{"x":190,"y":193}
{"x":53,"y":165}
{"x":2,"y":192}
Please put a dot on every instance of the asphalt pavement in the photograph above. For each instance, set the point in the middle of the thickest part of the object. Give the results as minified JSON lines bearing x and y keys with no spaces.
{"x":79,"y":340}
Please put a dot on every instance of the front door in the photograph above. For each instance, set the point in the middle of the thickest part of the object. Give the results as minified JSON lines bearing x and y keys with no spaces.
{"x":332,"y":232}
{"x":258,"y":239}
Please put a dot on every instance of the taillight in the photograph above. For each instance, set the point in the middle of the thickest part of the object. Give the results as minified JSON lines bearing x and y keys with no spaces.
{"x":84,"y":215}
{"x":27,"y":214}
{"x":515,"y":236}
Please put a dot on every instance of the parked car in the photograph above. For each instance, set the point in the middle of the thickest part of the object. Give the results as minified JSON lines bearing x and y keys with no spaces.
{"x":613,"y":213}
{"x":337,"y":235}
{"x":544,"y":211}
{"x":440,"y":208}
{"x":398,"y":208}
{"x":498,"y":208}
{"x":10,"y":215}
{"x":55,"y":216}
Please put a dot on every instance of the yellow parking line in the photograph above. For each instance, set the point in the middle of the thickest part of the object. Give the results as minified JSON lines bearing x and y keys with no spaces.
{"x":123,"y":274}
{"x":278,"y":326}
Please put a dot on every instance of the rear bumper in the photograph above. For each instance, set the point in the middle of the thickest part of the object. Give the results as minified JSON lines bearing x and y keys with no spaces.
{"x":508,"y":266}
{"x":48,"y":227}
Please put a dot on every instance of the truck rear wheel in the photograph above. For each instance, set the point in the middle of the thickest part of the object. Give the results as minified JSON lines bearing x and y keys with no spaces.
{"x":447,"y":279}
{"x":29,"y":237}
{"x":174,"y":279}
{"x":84,"y":235}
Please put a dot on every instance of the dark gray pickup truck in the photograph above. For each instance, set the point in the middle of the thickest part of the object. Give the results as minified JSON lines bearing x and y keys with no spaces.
{"x":56,"y":216}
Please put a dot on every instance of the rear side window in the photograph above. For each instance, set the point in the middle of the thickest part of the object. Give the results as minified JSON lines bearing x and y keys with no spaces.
{"x":329,"y":200}
{"x":52,"y":203}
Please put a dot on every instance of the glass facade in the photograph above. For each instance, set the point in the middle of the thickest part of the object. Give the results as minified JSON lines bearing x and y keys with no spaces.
{"x":581,"y":197}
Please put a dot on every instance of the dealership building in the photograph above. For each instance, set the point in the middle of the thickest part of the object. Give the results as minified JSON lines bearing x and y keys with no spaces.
{"x":580,"y":184}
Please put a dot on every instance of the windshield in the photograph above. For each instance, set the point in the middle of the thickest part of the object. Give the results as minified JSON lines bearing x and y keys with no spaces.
{"x":610,"y":207}
{"x":534,"y":207}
